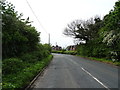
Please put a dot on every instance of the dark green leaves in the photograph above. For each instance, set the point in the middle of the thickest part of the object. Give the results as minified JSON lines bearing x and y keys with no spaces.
{"x":18,"y":34}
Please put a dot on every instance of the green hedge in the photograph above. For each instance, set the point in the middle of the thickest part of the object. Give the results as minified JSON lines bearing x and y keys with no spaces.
{"x":65,"y":52}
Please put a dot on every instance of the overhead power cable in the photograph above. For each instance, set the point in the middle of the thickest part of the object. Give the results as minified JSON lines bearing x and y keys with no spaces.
{"x":36,"y":16}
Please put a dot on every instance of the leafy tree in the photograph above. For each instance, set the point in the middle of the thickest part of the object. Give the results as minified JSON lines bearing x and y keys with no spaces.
{"x":83,"y":30}
{"x":18,"y":35}
{"x":110,"y":32}
{"x":21,"y":48}
{"x":102,"y":36}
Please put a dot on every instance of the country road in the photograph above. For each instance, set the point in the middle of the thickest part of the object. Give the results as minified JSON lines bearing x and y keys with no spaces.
{"x":67,"y":71}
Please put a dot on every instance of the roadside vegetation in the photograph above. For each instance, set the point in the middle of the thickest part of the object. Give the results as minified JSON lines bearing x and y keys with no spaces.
{"x":96,"y":37}
{"x":105,"y":60}
{"x":117,"y":63}
{"x":23,"y":56}
{"x":18,"y":73}
{"x":65,"y":52}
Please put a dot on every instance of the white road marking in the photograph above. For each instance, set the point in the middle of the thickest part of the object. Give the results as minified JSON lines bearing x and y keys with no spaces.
{"x":73,"y":61}
{"x":95,"y":78}
{"x":91,"y":75}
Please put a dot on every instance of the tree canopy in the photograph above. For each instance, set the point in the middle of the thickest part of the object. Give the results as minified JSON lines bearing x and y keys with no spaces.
{"x":18,"y":35}
{"x":102,"y":36}
{"x":83,"y":30}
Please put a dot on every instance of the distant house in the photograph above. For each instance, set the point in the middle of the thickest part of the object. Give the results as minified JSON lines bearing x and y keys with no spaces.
{"x":71,"y":48}
{"x":56,"y":47}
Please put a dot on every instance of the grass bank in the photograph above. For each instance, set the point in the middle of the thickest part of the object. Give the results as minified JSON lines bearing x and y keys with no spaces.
{"x":117,"y":63}
{"x":24,"y":77}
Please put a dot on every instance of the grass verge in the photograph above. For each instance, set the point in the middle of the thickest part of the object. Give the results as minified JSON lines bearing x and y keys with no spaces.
{"x":23,"y":78}
{"x":102,"y":60}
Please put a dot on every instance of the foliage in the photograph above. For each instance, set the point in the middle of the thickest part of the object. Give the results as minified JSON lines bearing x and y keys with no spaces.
{"x":110,"y":32}
{"x":48,"y":47}
{"x":12,"y":65}
{"x":18,"y":35}
{"x":22,"y":79}
{"x":108,"y":61}
{"x":65,"y":52}
{"x":70,"y":52}
{"x":23,"y":55}
{"x":105,"y":60}
{"x":41,"y":52}
{"x":95,"y":48}
{"x":102,"y":36}
{"x":83,"y":30}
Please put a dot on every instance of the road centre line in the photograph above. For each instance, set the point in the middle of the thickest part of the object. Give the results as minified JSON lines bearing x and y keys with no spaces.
{"x":95,"y":78}
{"x":91,"y":75}
{"x":73,"y":61}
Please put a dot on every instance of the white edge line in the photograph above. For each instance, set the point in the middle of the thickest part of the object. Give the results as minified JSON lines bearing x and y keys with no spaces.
{"x":95,"y":78}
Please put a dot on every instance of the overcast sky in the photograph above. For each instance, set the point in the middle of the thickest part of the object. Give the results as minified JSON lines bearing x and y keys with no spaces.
{"x":54,"y":15}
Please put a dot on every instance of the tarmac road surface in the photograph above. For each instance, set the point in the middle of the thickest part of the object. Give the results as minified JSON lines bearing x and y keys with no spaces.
{"x":68,"y":71}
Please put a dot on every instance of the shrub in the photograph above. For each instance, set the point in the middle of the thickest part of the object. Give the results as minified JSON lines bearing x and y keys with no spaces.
{"x":84,"y":50}
{"x":23,"y":78}
{"x":65,"y":52}
{"x":12,"y":65}
{"x":46,"y":53}
{"x":27,"y":57}
{"x":100,"y":51}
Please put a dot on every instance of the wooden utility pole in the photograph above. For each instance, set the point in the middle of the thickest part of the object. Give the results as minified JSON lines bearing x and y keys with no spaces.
{"x":49,"y":39}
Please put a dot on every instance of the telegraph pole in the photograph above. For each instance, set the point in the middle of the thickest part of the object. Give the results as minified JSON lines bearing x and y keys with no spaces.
{"x":56,"y":43}
{"x":49,"y":39}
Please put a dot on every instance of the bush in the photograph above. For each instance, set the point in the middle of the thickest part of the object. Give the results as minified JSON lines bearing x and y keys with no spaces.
{"x":114,"y":55}
{"x":65,"y":52}
{"x":94,"y":48}
{"x":35,"y":56}
{"x":23,"y":78}
{"x":100,"y":51}
{"x":12,"y":65}
{"x":84,"y":50}
{"x":46,"y":53}
{"x":29,"y":58}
